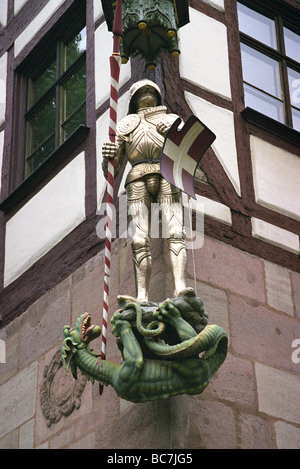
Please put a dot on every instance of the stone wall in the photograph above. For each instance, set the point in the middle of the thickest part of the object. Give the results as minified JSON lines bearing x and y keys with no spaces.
{"x":252,"y":402}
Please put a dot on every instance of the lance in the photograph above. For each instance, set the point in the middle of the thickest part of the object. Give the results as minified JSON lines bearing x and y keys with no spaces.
{"x":115,"y":64}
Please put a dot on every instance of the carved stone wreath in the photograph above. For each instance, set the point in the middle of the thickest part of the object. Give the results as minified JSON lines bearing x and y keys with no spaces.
{"x":60,"y":394}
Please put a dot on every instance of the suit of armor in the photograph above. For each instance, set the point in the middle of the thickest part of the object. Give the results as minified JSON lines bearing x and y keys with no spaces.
{"x":140,"y":137}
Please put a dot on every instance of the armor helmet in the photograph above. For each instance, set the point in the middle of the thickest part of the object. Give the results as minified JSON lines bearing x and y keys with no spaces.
{"x":137,"y":86}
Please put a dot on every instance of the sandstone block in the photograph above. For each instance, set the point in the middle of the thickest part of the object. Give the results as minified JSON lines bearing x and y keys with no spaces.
{"x":215,"y":302}
{"x":255,"y":432}
{"x":26,"y":437}
{"x":278,"y":393}
{"x":279,"y":291}
{"x":234,"y":382}
{"x":86,"y":296}
{"x":41,"y":328}
{"x":262,"y":334}
{"x":211,"y":426}
{"x":88,"y":442}
{"x":62,"y":439}
{"x":287,"y":436}
{"x":228,"y":268}
{"x":11,"y":440}
{"x":149,"y":425}
{"x":296,"y":291}
{"x":17,"y":399}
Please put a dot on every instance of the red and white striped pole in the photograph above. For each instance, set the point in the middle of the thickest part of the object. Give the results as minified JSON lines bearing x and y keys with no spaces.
{"x":115,"y":64}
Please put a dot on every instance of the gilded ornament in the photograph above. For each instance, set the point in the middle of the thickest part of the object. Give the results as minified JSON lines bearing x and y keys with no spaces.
{"x":149,"y":27}
{"x":128,"y":125}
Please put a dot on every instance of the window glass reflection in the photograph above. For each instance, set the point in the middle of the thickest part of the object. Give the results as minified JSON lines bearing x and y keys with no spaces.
{"x":292,"y":44}
{"x":294,"y":82}
{"x":74,"y":48}
{"x":257,"y":26}
{"x":264,"y":103}
{"x":296,"y":119}
{"x":43,"y":123}
{"x":261,"y":71}
{"x":74,"y":91}
{"x":44,"y":81}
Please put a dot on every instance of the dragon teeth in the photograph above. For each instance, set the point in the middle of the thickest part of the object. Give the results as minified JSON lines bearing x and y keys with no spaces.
{"x":85,"y":323}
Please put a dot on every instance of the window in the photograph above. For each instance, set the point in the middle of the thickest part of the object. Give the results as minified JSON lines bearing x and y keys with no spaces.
{"x":55,"y":98}
{"x":270,"y":51}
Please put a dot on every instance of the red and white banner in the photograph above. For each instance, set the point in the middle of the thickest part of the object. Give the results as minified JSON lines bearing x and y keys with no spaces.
{"x":182,"y":152}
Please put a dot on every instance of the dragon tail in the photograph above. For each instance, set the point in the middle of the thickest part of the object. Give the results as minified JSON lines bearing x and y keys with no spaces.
{"x":206,"y":341}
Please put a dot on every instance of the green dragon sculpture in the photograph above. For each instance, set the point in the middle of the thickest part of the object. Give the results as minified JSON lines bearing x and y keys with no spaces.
{"x":151,"y":368}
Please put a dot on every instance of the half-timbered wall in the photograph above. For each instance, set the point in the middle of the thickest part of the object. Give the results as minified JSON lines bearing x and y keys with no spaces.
{"x":51,"y":255}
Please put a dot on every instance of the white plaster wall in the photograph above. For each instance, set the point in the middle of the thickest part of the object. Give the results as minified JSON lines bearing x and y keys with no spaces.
{"x":276,"y":174}
{"x":221,"y":122}
{"x":3,"y":75}
{"x":18,"y":5}
{"x":103,"y":50}
{"x":3,"y":12}
{"x":209,"y":207}
{"x":36,"y":24}
{"x":122,"y":189}
{"x":102,"y":137}
{"x":204,"y":54}
{"x":98,"y":10}
{"x":45,"y":220}
{"x":275,"y":235}
{"x":1,"y":155}
{"x":219,"y":4}
{"x":215,"y":210}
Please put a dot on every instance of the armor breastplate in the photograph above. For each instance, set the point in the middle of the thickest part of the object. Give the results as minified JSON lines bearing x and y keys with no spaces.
{"x":142,"y":140}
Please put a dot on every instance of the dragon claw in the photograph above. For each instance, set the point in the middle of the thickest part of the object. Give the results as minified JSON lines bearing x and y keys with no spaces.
{"x":157,"y":315}
{"x":119,"y":325}
{"x":168,"y":311}
{"x":117,"y":315}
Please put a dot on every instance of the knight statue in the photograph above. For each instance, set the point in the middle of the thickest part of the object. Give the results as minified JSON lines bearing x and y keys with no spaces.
{"x":167,"y":348}
{"x":140,"y":138}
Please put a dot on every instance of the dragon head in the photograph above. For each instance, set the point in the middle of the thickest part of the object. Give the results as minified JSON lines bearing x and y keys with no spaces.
{"x":77,"y":338}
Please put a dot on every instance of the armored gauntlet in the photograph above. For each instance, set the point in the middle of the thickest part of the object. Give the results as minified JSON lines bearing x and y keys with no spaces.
{"x":111,"y":151}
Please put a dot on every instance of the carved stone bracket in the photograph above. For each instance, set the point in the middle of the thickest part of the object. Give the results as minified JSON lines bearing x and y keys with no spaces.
{"x":60,"y":394}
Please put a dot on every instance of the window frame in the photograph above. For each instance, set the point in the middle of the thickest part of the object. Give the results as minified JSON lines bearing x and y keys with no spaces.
{"x":56,"y":90}
{"x":278,"y":54}
{"x":18,"y":190}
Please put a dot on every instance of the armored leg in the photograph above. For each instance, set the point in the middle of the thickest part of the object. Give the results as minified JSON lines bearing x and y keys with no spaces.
{"x":139,"y":210}
{"x":170,"y":201}
{"x":142,"y":266}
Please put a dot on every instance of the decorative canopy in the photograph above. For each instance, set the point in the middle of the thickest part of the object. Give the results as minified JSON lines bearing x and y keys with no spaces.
{"x":149,"y":26}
